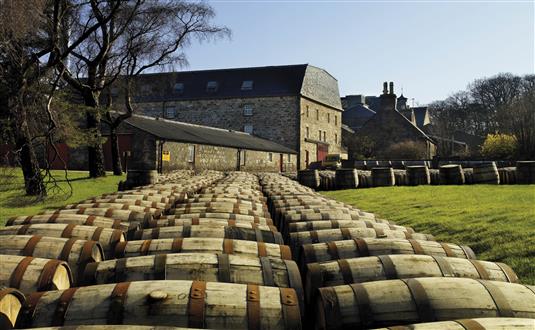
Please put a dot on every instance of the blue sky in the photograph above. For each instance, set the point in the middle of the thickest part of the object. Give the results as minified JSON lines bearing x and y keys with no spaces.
{"x":430,"y":48}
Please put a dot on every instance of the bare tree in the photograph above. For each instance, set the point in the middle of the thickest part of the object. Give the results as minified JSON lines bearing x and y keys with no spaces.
{"x":32,"y":42}
{"x":133,"y":36}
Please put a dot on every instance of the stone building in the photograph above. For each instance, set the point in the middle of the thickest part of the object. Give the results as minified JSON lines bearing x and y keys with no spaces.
{"x":165,"y":145}
{"x":297,"y":106}
{"x":384,"y":129}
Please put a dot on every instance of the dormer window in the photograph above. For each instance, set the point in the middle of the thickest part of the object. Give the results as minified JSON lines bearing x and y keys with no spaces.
{"x":212,"y":86}
{"x":179,"y":88}
{"x":247,"y":85}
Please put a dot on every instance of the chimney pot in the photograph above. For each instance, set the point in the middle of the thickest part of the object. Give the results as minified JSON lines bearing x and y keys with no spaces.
{"x":391,"y":87}
{"x":385,"y":88}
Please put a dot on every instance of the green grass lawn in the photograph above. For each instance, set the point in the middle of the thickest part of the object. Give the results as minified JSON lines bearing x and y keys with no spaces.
{"x":13,"y":201}
{"x":497,"y":222}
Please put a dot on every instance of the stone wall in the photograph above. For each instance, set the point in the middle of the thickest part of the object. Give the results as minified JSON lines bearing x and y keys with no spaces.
{"x":316,"y":117}
{"x":144,"y":151}
{"x":273,"y":118}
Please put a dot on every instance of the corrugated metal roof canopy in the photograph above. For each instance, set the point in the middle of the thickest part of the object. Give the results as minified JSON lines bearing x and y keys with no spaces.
{"x":188,"y":133}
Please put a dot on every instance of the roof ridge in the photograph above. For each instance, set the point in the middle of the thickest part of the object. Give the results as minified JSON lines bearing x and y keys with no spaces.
{"x":232,"y":69}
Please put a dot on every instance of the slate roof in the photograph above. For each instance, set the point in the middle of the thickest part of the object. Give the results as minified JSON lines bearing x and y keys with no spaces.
{"x":356,"y":116}
{"x":171,"y":130}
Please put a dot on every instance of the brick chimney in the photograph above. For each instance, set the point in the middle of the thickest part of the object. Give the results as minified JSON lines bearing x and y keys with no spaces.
{"x":388,"y":99}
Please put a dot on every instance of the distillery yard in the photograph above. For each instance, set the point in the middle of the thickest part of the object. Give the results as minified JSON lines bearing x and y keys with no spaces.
{"x":14,"y":202}
{"x":497,"y":222}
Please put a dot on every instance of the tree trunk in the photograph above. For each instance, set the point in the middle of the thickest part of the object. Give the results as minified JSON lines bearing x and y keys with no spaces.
{"x":115,"y":153}
{"x":95,"y":150}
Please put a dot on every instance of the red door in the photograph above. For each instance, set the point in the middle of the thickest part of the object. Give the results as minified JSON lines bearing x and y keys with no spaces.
{"x":322,"y":152}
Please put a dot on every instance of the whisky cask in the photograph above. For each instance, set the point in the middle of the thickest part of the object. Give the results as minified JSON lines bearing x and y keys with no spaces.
{"x":208,"y":267}
{"x":468,"y":175}
{"x":77,"y":219}
{"x":203,"y":221}
{"x":400,"y":266}
{"x":229,"y":216}
{"x":400,"y":177}
{"x":309,"y":178}
{"x":426,"y":299}
{"x":227,"y":197}
{"x":418,"y":175}
{"x":225,"y":206}
{"x":201,"y":245}
{"x":347,"y":178}
{"x":76,"y":252}
{"x":328,"y":235}
{"x":435,"y":176}
{"x":149,"y":197}
{"x":383,"y":177}
{"x":451,"y":174}
{"x":192,"y":304}
{"x":29,"y":274}
{"x":12,"y":302}
{"x":365,"y":247}
{"x":123,"y":215}
{"x":105,"y":236}
{"x":220,"y":209}
{"x":525,"y":172}
{"x":251,"y":232}
{"x":126,"y":201}
{"x":486,"y":173}
{"x":115,"y":206}
{"x":490,"y":323}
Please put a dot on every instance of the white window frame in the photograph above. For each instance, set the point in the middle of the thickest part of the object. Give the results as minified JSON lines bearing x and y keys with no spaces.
{"x":191,"y":153}
{"x":248,"y":110}
{"x":212,"y":86}
{"x":247,"y":126}
{"x":247,"y":85}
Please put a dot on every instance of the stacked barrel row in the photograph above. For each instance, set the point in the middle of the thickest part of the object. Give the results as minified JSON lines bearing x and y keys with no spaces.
{"x":210,"y":259}
{"x":413,"y":175}
{"x":50,"y":251}
{"x":361,"y":271}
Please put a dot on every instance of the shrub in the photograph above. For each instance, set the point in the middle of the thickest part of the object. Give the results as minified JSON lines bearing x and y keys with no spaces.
{"x":499,"y":146}
{"x":406,"y":150}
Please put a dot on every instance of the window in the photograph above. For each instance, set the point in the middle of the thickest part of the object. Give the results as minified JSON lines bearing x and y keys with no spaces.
{"x":328,"y":118}
{"x":336,"y":120}
{"x":308,"y":111}
{"x":247,"y":85}
{"x":191,"y":153}
{"x":319,"y":132}
{"x":289,"y":158}
{"x":324,"y":136}
{"x":270,"y":157}
{"x":317,"y":114}
{"x":179,"y":88}
{"x":248,"y":128}
{"x":170,"y":112}
{"x":248,"y":110}
{"x":212,"y":86}
{"x":307,"y":132}
{"x":335,"y":138}
{"x":242,"y":157}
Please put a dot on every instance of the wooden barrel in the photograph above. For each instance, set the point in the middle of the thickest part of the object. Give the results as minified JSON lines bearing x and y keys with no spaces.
{"x":451,"y":174}
{"x":226,"y":197}
{"x":220,"y":209}
{"x":400,"y":266}
{"x":383,"y":177}
{"x":123,"y":215}
{"x":216,"y":215}
{"x":425,"y":299}
{"x":193,"y":304}
{"x":258,"y":233}
{"x":331,"y":224}
{"x":468,"y":175}
{"x":486,"y":173}
{"x":327,"y":235}
{"x":496,"y":323}
{"x":347,"y":178}
{"x":418,"y":175}
{"x":105,"y":236}
{"x":365,"y":179}
{"x":224,"y":206}
{"x":208,"y":267}
{"x":29,"y":274}
{"x":400,"y":177}
{"x":126,"y":201}
{"x":146,"y":197}
{"x":364,"y":247}
{"x":77,"y":219}
{"x":115,"y":206}
{"x":204,"y":221}
{"x":128,"y":249}
{"x":309,"y":178}
{"x":525,"y":172}
{"x":77,"y":253}
{"x":12,"y":302}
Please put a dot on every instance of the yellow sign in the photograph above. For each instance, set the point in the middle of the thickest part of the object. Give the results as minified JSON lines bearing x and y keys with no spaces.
{"x":166,"y":156}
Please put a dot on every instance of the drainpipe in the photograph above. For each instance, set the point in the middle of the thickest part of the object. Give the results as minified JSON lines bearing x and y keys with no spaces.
{"x":160,"y":154}
{"x":238,"y":165}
